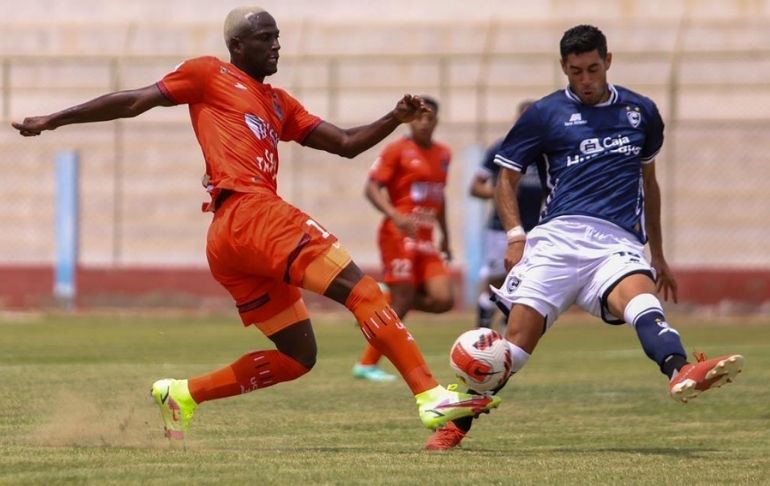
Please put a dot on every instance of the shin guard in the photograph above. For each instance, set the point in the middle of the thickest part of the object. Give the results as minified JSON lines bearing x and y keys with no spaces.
{"x":384,"y":331}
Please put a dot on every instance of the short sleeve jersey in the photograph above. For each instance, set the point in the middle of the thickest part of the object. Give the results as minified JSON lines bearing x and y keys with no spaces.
{"x":530,"y":186}
{"x":238,"y":121}
{"x":415,"y":178}
{"x":593,"y":154}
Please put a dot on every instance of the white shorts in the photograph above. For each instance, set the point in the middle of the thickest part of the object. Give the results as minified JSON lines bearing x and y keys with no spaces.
{"x":495,"y":244}
{"x":573,"y":260}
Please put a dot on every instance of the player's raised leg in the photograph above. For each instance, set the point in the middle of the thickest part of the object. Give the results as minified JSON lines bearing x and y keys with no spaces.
{"x":662,"y":343}
{"x":704,"y":374}
{"x":176,"y":406}
{"x":282,"y":316}
{"x":336,"y":276}
{"x":178,"y":399}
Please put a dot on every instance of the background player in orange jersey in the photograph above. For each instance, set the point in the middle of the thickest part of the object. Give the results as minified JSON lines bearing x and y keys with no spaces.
{"x":259,"y":247}
{"x":406,"y":184}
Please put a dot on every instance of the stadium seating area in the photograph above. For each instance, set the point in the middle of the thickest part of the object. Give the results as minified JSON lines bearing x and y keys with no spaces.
{"x":706,"y":67}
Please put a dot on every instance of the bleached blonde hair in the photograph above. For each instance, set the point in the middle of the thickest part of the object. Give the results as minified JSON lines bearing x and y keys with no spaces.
{"x":239,"y":20}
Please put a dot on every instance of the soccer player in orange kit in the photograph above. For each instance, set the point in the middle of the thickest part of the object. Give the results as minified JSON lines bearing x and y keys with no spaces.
{"x":406,"y":184}
{"x":259,"y":247}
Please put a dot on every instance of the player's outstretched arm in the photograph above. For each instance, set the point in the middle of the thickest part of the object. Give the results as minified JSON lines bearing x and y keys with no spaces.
{"x":352,"y":141}
{"x":120,"y":104}
{"x":666,"y":283}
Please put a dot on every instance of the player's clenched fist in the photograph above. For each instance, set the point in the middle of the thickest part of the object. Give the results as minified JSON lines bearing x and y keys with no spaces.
{"x":32,"y":126}
{"x":409,"y":107}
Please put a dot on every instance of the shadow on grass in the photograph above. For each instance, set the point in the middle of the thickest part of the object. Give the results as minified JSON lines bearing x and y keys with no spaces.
{"x":654,"y":451}
{"x":688,"y":452}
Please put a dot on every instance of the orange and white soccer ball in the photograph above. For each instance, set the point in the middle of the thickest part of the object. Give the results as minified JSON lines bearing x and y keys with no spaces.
{"x":481,"y":358}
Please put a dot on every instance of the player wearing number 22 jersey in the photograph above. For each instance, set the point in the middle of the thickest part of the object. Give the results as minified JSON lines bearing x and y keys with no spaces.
{"x":414,"y":178}
{"x":406,"y":184}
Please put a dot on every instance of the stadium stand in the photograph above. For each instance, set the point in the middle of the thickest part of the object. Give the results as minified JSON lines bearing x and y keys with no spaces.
{"x":706,"y":68}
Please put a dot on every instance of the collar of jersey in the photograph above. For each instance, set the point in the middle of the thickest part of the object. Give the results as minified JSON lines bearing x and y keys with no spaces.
{"x":612,"y":99}
{"x":242,"y":76}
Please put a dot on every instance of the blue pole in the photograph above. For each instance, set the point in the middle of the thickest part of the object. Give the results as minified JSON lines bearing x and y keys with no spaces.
{"x":66,"y":227}
{"x":473,"y":226}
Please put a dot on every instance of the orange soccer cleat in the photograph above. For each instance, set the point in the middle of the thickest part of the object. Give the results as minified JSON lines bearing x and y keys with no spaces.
{"x":446,"y":438}
{"x":698,"y":377}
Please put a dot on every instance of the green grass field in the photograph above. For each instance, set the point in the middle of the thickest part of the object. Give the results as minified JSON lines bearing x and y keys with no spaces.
{"x":589,"y":408}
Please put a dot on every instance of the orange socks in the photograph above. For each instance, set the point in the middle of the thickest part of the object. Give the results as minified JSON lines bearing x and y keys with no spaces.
{"x":258,"y":369}
{"x":385,"y":332}
{"x":370,"y":357}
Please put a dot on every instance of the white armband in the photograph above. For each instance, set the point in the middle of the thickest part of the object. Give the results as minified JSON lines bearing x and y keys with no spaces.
{"x":516,"y":234}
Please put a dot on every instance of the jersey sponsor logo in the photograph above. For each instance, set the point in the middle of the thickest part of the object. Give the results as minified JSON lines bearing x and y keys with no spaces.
{"x":424,"y":217}
{"x":575,"y":119}
{"x":576,"y":159}
{"x":592,"y":147}
{"x":261,"y":129}
{"x":268,"y":163}
{"x":241,"y":86}
{"x":421,"y":192}
{"x":620,"y":144}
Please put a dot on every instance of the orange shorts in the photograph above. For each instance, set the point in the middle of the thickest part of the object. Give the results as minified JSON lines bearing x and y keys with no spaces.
{"x":258,"y":248}
{"x":407,"y":260}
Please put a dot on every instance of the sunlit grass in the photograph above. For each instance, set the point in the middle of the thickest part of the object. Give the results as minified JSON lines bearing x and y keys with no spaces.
{"x":589,"y":408}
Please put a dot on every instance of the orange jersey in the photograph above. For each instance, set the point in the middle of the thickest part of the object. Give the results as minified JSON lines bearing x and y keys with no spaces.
{"x":415,"y":178}
{"x":238,"y":122}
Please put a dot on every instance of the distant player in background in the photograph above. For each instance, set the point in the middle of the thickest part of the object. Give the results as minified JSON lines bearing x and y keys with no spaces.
{"x":530,"y":198}
{"x":406,"y":184}
{"x":600,"y":143}
{"x":260,"y":248}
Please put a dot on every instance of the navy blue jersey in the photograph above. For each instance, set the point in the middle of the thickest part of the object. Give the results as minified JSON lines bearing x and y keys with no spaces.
{"x":530,"y":193}
{"x":593,"y":154}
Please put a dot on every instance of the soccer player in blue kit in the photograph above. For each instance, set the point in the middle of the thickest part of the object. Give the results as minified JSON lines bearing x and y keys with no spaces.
{"x":599,"y":144}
